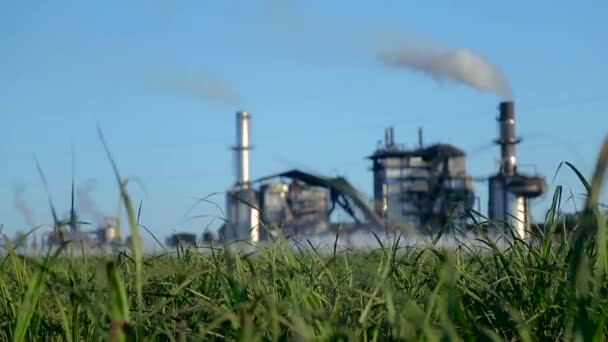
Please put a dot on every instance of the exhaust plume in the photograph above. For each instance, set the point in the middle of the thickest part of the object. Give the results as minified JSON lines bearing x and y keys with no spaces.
{"x":86,"y":204}
{"x":20,"y":204}
{"x":203,"y":85}
{"x":459,"y":65}
{"x":397,"y":50}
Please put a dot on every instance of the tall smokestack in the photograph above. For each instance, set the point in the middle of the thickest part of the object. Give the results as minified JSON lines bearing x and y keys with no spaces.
{"x":510,"y":191}
{"x":507,"y":139}
{"x":242,"y":201}
{"x":242,"y":148}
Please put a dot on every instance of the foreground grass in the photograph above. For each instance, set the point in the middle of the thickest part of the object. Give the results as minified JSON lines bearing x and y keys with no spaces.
{"x":524,"y":292}
{"x":552,"y":289}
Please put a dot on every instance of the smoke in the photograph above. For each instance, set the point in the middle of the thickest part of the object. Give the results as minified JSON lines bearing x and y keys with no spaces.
{"x":460,"y":65}
{"x":284,"y":18}
{"x":205,"y":86}
{"x":21,"y":205}
{"x":86,"y":204}
{"x":392,"y":49}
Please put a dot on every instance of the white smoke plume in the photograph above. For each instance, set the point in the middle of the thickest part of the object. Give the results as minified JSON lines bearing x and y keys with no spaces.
{"x":21,"y":205}
{"x":203,"y":85}
{"x":458,"y":65}
{"x":393,"y":49}
{"x":86,"y":204}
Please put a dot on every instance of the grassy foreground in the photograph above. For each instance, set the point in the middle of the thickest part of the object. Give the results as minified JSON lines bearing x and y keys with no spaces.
{"x":554,"y":289}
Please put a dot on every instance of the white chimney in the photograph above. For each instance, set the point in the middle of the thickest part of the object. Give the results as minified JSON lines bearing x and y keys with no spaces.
{"x":242,"y":148}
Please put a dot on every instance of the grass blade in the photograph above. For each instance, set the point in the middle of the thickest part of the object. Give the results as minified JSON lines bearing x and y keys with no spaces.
{"x":134,"y":228}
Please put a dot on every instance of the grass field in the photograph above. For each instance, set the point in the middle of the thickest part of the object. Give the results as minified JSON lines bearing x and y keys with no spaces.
{"x":552,"y":289}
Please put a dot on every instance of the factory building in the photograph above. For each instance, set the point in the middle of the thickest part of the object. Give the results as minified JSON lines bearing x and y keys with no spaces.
{"x":299,"y":208}
{"x":293,"y":202}
{"x":425,"y":187}
{"x":107,"y":234}
{"x":296,"y":203}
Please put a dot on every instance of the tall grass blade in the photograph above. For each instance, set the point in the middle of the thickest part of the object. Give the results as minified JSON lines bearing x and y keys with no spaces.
{"x":135,"y":236}
{"x":598,"y":177}
{"x":28,"y":306}
{"x":119,"y":305}
{"x":46,"y":189}
{"x":30,"y":300}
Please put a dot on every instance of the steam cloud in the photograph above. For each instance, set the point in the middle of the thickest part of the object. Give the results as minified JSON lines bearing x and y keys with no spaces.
{"x":21,"y":205}
{"x":205,"y":86}
{"x":442,"y":64}
{"x":86,"y":204}
{"x":396,"y":50}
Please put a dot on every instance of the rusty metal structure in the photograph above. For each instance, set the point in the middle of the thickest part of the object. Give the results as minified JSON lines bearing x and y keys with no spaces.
{"x":301,"y":202}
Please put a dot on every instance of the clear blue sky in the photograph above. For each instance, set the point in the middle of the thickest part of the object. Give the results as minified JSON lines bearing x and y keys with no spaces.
{"x":318,"y":100}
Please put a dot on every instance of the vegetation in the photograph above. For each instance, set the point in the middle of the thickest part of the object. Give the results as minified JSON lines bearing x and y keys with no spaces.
{"x":553,"y":288}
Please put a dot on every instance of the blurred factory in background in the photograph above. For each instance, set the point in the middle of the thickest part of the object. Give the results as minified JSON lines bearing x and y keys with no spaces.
{"x":422,"y":188}
{"x":425,"y":188}
{"x":105,"y":237}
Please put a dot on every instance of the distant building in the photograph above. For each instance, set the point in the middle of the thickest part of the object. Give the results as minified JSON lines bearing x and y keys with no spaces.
{"x":424,"y":187}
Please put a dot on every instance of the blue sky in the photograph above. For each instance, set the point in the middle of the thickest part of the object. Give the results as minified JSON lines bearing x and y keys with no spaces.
{"x":304,"y":69}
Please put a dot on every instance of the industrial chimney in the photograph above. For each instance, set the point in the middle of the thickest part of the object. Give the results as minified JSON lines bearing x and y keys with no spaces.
{"x":242,"y":201}
{"x":507,"y":139}
{"x":242,"y":149}
{"x":509,"y":190}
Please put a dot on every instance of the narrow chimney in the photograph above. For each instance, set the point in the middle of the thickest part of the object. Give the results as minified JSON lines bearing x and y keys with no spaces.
{"x":242,"y":148}
{"x":507,"y":139}
{"x":420,"y":140}
{"x":388,"y":137}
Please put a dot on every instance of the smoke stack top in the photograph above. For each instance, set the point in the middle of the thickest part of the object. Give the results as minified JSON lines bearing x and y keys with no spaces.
{"x":507,"y":138}
{"x":507,"y":110}
{"x":442,"y":64}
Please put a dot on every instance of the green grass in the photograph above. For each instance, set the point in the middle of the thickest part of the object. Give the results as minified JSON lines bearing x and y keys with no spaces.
{"x":553,"y":289}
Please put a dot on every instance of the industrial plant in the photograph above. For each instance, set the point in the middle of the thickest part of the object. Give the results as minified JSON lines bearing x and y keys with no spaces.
{"x":105,"y":237}
{"x":107,"y":234}
{"x":424,"y":189}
